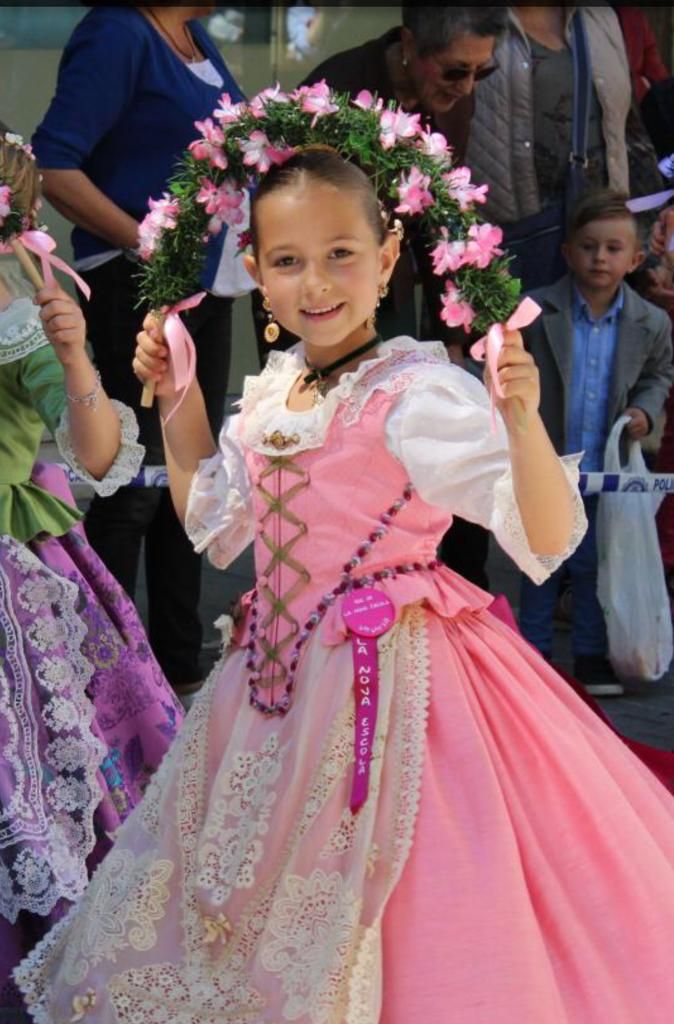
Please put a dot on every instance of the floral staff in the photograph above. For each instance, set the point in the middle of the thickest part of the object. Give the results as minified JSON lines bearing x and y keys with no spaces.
{"x":410,"y":168}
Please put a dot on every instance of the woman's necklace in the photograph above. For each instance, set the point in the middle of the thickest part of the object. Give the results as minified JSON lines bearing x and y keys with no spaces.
{"x":191,"y":58}
{"x":317,"y":379}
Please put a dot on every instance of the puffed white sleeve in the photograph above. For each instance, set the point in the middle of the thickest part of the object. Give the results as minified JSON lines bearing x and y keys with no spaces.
{"x":219,"y":518}
{"x":440,"y":430}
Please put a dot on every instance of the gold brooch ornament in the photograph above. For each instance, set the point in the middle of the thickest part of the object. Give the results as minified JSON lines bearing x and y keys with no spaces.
{"x":279,"y":441}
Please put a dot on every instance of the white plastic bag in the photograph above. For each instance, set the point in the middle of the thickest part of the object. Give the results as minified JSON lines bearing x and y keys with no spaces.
{"x":631,"y":580}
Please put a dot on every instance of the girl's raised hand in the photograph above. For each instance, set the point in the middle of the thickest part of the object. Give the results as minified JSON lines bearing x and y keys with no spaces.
{"x":519,"y":380}
{"x":63,"y":323}
{"x":151,"y":361}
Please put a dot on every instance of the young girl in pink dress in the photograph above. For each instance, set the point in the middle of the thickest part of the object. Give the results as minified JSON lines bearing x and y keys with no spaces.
{"x":479,"y":848}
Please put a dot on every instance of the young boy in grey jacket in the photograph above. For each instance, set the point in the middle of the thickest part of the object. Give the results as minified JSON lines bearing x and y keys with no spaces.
{"x":602,"y":351}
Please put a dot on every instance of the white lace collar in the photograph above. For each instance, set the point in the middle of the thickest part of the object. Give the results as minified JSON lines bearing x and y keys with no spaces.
{"x":20,"y":330}
{"x":270,"y":428}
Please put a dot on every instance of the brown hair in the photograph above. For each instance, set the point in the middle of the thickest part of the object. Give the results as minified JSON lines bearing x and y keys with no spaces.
{"x":19,"y":171}
{"x":599,"y":204}
{"x":323,"y":165}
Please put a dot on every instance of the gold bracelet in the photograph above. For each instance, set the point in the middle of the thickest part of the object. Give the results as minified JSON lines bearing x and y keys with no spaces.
{"x":91,"y":398}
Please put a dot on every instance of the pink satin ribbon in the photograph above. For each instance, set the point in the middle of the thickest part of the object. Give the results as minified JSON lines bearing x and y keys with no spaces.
{"x":181,"y":346}
{"x":42,"y":245}
{"x":489,"y":347}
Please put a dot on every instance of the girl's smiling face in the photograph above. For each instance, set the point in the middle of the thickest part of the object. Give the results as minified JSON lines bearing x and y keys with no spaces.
{"x":320,"y":263}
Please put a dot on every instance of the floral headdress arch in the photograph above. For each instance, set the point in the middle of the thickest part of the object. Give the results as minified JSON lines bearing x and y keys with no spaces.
{"x":20,"y":203}
{"x":19,"y":187}
{"x":410,"y":168}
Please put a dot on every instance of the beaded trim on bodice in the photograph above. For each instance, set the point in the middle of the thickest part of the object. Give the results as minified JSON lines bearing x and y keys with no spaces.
{"x":260,"y":652}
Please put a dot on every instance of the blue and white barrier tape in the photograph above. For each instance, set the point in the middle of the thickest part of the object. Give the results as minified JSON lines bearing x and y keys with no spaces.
{"x":626,"y":483}
{"x":590,"y":483}
{"x":149,"y":476}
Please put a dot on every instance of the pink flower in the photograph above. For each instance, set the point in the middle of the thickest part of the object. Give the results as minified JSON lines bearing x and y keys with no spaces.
{"x":448,"y":256}
{"x":396,"y":124}
{"x":456,"y":312}
{"x":223,"y":203}
{"x":365,"y":100}
{"x":460,"y":188}
{"x":483,"y":243}
{"x":259,"y":152}
{"x":413,"y":192}
{"x":435,"y":145}
{"x":162,"y":217}
{"x":316,"y":99}
{"x":245,"y":240}
{"x":5,"y":202}
{"x":227,"y":112}
{"x":258,"y":103}
{"x":208,"y":148}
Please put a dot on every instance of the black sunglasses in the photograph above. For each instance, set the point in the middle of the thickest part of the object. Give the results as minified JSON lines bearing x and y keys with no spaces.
{"x":457,"y":74}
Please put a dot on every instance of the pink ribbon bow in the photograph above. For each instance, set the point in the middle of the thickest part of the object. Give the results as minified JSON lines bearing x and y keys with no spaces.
{"x":181,"y":346}
{"x":42,"y":245}
{"x":489,"y":347}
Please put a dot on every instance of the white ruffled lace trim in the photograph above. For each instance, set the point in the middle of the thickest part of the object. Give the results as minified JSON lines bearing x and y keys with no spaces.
{"x":50,"y":816}
{"x":264,"y":397}
{"x":127,"y":461}
{"x":510,"y":529}
{"x":21,"y":331}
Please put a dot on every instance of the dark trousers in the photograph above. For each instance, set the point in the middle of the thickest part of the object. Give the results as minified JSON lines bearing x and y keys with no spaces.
{"x":537,"y":603}
{"x":117,"y":526}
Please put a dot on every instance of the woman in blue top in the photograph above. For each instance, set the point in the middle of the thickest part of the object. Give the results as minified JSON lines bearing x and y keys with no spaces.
{"x":131,"y":84}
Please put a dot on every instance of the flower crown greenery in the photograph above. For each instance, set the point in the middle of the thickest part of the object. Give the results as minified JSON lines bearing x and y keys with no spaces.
{"x":409,"y":166}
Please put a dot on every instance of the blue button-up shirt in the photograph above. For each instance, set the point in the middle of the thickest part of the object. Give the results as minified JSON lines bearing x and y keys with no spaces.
{"x":594,"y":345}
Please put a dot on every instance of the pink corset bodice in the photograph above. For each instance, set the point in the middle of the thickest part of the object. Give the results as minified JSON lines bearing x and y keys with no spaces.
{"x":326,"y":518}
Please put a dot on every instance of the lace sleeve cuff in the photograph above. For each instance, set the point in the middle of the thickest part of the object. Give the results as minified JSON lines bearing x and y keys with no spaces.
{"x":127,"y":461}
{"x":509,"y":530}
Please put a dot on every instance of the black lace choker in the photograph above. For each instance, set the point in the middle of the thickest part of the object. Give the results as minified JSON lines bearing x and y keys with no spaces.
{"x":321,"y":373}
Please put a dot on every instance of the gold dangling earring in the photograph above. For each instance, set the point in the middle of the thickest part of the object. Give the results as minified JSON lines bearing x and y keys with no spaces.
{"x":272,"y":331}
{"x":371,"y":321}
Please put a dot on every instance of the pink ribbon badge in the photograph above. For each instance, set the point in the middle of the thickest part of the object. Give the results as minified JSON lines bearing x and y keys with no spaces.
{"x":181,"y":346}
{"x":367,"y":614}
{"x":489,"y":347}
{"x":42,"y":245}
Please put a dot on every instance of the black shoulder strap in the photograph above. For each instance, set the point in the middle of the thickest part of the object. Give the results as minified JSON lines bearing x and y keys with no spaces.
{"x":582,"y":95}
